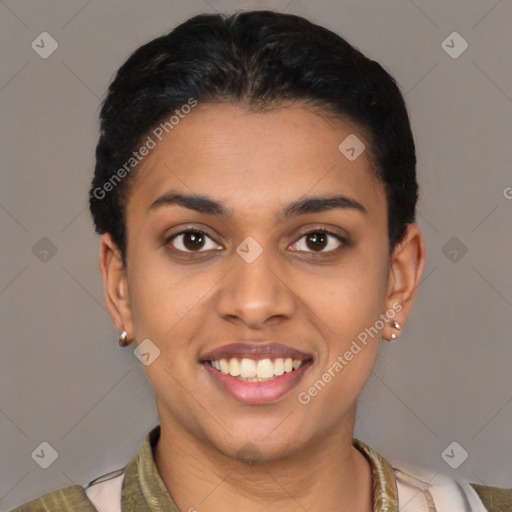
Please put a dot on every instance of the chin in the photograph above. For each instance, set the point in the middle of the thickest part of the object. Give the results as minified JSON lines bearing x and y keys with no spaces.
{"x":253,"y":449}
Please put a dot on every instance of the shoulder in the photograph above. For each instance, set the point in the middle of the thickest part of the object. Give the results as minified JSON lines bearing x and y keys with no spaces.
{"x":69,"y":498}
{"x":103,"y":491}
{"x":496,"y":499}
{"x":419,"y":486}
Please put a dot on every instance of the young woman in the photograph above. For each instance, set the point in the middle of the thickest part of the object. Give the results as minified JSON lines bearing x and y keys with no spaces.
{"x":255,"y":190}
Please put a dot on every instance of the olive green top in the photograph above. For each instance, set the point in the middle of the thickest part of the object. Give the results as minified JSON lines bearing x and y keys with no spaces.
{"x":143,"y":489}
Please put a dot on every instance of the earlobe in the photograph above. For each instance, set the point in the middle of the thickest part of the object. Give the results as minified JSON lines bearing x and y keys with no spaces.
{"x":115,"y":284}
{"x":407,"y":265}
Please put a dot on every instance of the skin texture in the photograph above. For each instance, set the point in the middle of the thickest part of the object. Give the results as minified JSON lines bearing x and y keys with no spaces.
{"x":188,"y":303}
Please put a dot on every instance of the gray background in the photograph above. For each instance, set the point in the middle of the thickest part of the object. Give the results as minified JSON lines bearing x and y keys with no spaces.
{"x":63,"y":378}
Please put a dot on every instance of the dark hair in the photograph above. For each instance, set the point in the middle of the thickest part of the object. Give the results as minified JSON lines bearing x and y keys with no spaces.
{"x":261,"y":59}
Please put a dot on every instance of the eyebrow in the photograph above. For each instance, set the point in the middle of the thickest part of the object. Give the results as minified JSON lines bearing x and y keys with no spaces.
{"x":206,"y":205}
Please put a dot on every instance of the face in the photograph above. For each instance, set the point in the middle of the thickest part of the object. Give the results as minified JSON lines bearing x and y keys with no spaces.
{"x":257,"y":255}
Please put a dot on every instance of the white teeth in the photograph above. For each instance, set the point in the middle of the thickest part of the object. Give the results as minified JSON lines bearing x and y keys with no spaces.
{"x":248,"y":368}
{"x":265,"y":369}
{"x":256,"y":370}
{"x":279,"y":366}
{"x":224,"y":366}
{"x":234,"y":367}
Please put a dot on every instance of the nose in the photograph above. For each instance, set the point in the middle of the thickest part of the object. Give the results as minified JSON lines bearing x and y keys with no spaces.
{"x":256,"y":294}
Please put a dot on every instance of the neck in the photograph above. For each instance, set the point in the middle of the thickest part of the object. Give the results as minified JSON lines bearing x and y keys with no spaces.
{"x":327,"y":475}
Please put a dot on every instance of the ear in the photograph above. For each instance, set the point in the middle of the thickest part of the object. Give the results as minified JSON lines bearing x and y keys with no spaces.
{"x":115,"y":284}
{"x":407,"y":265}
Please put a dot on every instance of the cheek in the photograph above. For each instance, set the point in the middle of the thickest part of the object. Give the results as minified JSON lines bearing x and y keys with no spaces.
{"x":352,"y":295}
{"x":166,"y":301}
{"x":349,"y":304}
{"x":158,"y":298}
{"x":350,"y":307}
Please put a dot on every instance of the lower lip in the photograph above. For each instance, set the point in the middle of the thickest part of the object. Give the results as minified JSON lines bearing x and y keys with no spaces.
{"x":258,"y":392}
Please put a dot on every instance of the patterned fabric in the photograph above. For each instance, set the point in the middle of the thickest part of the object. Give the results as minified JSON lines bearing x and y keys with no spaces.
{"x":385,"y":492}
{"x":143,"y":488}
{"x":495,"y":499}
{"x":144,"y":491}
{"x":69,"y":498}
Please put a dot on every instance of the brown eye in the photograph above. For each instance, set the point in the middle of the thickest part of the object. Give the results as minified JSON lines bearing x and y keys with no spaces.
{"x":319,"y":241}
{"x":192,"y":241}
{"x":316,"y":240}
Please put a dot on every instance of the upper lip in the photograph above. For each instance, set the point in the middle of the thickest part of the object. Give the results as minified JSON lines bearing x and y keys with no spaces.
{"x":258,"y":350}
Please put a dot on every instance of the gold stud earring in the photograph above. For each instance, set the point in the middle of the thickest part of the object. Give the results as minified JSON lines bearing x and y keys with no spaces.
{"x":123,"y":339}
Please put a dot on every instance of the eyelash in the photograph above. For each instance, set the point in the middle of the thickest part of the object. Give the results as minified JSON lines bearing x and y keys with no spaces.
{"x":344,"y":242}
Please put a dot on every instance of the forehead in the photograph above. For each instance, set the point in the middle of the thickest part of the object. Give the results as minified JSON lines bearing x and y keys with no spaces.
{"x":244,"y":158}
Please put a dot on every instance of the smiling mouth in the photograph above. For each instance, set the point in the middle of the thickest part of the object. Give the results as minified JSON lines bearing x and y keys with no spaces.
{"x":256,"y":370}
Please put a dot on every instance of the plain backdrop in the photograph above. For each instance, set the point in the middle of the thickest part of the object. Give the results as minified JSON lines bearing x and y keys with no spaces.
{"x":63,"y":378}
